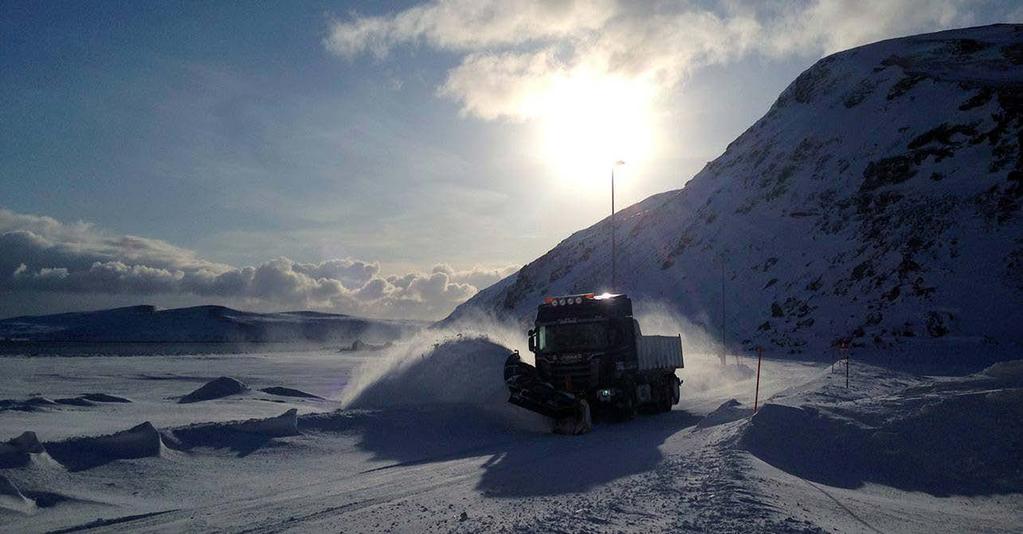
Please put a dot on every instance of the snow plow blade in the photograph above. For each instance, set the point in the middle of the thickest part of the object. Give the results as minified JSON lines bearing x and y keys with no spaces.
{"x":571,"y":415}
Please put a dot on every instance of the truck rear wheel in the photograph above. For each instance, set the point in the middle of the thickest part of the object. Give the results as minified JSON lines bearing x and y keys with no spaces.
{"x":664,"y":404}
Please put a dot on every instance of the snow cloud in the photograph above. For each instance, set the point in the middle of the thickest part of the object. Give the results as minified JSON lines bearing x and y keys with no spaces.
{"x":41,"y":254}
{"x":516,"y":53}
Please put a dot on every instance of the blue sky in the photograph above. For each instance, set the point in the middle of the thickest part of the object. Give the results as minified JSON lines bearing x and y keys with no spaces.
{"x":428,"y":141}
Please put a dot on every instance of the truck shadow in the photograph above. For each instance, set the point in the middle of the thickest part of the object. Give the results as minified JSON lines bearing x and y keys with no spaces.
{"x":525,"y":459}
{"x":569,"y":464}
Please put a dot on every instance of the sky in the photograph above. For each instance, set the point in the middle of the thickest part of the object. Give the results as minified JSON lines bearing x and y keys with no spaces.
{"x":386,"y":159}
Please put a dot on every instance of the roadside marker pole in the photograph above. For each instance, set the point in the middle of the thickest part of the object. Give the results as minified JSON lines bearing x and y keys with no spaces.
{"x":756,"y":394}
{"x":843,"y":354}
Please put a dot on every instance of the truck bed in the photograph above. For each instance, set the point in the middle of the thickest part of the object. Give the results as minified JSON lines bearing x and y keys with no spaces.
{"x":659,"y":352}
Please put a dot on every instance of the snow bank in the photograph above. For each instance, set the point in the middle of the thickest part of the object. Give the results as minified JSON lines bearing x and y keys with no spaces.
{"x":963,"y":444}
{"x":241,"y":436}
{"x":1009,"y":371}
{"x":23,"y":450}
{"x":730,"y":410}
{"x":289,"y":392}
{"x":140,"y":441}
{"x":11,"y":497}
{"x":285,"y":424}
{"x":215,"y":389}
{"x":75,"y":401}
{"x":36,"y":403}
{"x":104,"y":397}
{"x":28,"y":405}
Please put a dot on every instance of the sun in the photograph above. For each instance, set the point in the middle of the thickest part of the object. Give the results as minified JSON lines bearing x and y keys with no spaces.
{"x":591,"y":120}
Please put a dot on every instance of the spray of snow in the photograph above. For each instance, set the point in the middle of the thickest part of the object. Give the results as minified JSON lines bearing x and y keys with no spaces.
{"x":462,"y":363}
{"x":703,"y":371}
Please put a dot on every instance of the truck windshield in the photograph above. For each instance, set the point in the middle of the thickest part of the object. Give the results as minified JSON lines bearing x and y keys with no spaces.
{"x":572,"y":337}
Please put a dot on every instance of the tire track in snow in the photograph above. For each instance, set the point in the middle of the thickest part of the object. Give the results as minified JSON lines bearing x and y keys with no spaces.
{"x":849,"y":511}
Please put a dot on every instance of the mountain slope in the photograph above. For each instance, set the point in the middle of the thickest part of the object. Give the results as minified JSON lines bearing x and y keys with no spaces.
{"x":877,"y":202}
{"x":207,"y":324}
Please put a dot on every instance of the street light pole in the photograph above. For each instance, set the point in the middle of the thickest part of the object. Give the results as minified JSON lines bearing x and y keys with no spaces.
{"x":614,"y":277}
{"x":724,"y":328}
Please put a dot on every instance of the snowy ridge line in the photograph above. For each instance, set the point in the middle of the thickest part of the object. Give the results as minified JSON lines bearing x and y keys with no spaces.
{"x":200,"y":324}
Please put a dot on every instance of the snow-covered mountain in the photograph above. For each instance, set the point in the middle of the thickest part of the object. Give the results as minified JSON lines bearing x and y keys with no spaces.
{"x":878,"y":201}
{"x":200,"y":324}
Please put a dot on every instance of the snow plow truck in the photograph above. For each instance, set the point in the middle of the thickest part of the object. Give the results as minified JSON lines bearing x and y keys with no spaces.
{"x":593,"y":360}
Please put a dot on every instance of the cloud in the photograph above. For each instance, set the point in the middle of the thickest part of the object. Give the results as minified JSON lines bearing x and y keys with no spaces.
{"x":479,"y":277}
{"x":41,"y":254}
{"x":468,"y":25}
{"x":516,"y":54}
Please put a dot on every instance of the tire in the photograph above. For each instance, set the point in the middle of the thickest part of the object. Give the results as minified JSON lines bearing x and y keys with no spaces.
{"x":666,"y":397}
{"x":625,"y":410}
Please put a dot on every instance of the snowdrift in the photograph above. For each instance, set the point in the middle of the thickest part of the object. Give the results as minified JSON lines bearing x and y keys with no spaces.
{"x":12,"y":498}
{"x":104,"y":397}
{"x":730,"y":410}
{"x":215,"y":389}
{"x":958,"y":437}
{"x":23,"y":450}
{"x":289,"y":392}
{"x":250,"y":432}
{"x":75,"y":401}
{"x":28,"y":405}
{"x":144,"y":441}
{"x":285,"y":424}
{"x":78,"y":454}
{"x":243,"y":437}
{"x":38,"y":403}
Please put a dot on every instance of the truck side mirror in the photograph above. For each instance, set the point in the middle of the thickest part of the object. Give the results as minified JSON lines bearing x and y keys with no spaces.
{"x":532,"y":341}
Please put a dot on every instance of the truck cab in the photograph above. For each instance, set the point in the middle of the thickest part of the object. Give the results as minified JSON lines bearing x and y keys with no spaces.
{"x":591,"y":347}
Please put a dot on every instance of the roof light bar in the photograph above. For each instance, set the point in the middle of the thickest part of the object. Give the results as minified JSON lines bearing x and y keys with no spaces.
{"x":569,"y":299}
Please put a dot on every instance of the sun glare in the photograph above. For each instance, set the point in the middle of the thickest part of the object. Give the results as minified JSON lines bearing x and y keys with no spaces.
{"x":591,"y":121}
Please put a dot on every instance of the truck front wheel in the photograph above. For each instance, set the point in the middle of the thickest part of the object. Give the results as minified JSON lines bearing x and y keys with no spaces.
{"x":625,"y":409}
